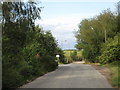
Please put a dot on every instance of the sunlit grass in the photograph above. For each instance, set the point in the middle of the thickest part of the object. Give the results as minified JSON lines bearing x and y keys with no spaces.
{"x":115,"y":79}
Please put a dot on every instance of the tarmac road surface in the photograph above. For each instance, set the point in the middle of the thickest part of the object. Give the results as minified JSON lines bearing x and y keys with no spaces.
{"x":74,"y":75}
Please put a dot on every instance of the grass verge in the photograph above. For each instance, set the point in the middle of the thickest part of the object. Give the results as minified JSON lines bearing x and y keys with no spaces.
{"x":115,"y":78}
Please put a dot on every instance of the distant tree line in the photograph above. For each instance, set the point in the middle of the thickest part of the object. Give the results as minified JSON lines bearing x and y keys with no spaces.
{"x":27,"y":50}
{"x":99,"y":37}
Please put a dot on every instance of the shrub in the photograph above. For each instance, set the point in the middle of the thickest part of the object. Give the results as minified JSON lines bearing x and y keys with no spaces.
{"x":74,"y":56}
{"x":49,"y":61}
{"x":110,"y":51}
{"x":90,"y":53}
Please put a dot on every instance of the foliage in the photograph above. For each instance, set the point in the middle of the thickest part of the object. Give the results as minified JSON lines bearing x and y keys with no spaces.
{"x":114,"y":67}
{"x":110,"y":51}
{"x":27,"y":51}
{"x":74,"y":55}
{"x":90,"y":53}
{"x":94,"y":32}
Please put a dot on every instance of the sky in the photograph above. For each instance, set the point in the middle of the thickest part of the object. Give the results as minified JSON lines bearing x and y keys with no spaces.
{"x":62,"y":17}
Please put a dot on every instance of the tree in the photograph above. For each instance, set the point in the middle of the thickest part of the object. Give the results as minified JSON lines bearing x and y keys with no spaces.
{"x":95,"y":31}
{"x":17,"y":23}
{"x":74,"y":55}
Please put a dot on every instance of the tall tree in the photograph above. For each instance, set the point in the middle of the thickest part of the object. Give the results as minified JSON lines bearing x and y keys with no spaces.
{"x":17,"y":23}
{"x":95,"y":31}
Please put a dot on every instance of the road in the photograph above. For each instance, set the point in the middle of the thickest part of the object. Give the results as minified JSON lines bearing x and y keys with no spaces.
{"x":73,"y":75}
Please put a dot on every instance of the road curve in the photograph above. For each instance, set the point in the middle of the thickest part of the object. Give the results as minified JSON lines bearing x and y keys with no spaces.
{"x":71,"y":76}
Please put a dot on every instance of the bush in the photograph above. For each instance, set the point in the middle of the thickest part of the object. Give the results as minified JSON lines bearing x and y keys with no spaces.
{"x":90,"y":53}
{"x":22,"y":43}
{"x":13,"y":78}
{"x":110,"y":51}
{"x":74,"y":56}
{"x":49,"y":61}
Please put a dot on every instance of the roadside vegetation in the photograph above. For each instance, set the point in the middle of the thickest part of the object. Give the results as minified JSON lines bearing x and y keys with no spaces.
{"x":99,"y":38}
{"x":115,"y":73}
{"x":73,"y":55}
{"x":27,"y":50}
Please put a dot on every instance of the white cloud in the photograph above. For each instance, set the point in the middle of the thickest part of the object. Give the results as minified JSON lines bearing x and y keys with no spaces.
{"x":62,"y":28}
